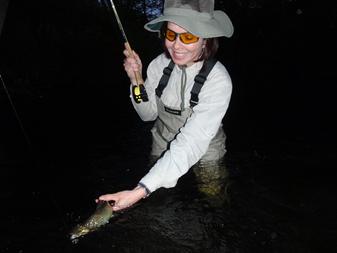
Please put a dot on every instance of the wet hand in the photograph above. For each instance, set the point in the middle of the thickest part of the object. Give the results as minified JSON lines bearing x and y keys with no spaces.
{"x":124,"y":199}
{"x":132,"y":64}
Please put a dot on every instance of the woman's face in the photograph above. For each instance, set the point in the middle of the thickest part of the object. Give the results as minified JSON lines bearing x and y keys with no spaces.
{"x":183,"y":54}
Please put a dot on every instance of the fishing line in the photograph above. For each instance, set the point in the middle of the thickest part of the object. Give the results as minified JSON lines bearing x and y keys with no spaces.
{"x":30,"y":146}
{"x":16,"y":114}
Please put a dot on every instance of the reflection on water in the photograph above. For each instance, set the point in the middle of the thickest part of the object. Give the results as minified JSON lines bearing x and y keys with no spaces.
{"x":212,"y":180}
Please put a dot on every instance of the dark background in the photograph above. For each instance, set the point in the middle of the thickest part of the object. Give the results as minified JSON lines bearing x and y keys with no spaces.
{"x":61,"y":62}
{"x":281,"y":59}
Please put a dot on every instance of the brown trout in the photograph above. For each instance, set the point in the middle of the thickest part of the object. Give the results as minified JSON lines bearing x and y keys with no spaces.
{"x":100,"y":217}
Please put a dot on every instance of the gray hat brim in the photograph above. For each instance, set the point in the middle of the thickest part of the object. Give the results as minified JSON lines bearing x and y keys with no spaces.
{"x":200,"y":24}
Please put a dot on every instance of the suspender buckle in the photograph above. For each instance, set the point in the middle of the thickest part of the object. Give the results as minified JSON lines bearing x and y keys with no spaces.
{"x":167,"y":71}
{"x":200,"y":79}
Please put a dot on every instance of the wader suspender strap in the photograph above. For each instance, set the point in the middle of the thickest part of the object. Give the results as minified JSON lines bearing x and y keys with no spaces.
{"x":199,"y":80}
{"x":164,"y":79}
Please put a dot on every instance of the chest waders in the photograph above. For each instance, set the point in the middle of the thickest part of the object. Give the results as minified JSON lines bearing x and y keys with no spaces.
{"x":170,"y":120}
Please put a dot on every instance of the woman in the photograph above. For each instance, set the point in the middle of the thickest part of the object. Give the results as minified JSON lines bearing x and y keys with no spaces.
{"x":188,"y":101}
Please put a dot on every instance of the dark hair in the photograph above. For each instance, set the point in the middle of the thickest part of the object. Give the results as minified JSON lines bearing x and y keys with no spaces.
{"x":210,"y":50}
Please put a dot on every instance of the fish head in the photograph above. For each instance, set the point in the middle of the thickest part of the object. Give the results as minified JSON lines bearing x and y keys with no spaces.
{"x":78,"y":231}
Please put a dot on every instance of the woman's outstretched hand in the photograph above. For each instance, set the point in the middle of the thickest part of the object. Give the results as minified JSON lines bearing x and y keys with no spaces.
{"x":124,"y":199}
{"x":132,"y":64}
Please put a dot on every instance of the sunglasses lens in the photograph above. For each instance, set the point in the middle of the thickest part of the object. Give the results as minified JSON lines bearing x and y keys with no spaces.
{"x":170,"y":35}
{"x":188,"y":38}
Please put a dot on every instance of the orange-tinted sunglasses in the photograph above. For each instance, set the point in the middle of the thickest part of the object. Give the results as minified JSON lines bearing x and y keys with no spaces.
{"x":186,"y":38}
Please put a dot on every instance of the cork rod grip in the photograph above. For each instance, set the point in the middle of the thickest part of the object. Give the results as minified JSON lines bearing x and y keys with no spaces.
{"x":139,"y":78}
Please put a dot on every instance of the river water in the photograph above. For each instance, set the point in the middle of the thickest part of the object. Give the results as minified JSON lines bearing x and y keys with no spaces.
{"x":274,"y":200}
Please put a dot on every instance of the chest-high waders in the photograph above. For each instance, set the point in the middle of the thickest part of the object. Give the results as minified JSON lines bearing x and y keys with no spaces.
{"x":170,"y":120}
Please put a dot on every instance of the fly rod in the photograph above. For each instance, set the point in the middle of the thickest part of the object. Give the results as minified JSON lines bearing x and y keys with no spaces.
{"x":138,"y":91}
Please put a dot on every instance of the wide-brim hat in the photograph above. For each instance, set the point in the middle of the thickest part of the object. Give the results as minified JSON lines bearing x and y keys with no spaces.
{"x":205,"y":24}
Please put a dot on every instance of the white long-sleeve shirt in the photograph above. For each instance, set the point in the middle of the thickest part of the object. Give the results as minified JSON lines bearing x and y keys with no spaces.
{"x":194,"y":137}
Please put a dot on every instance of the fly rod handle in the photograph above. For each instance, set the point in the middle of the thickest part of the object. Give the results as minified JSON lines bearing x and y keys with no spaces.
{"x":139,"y":78}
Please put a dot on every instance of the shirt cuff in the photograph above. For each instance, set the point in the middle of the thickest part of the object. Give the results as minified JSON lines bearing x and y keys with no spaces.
{"x":148,"y":192}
